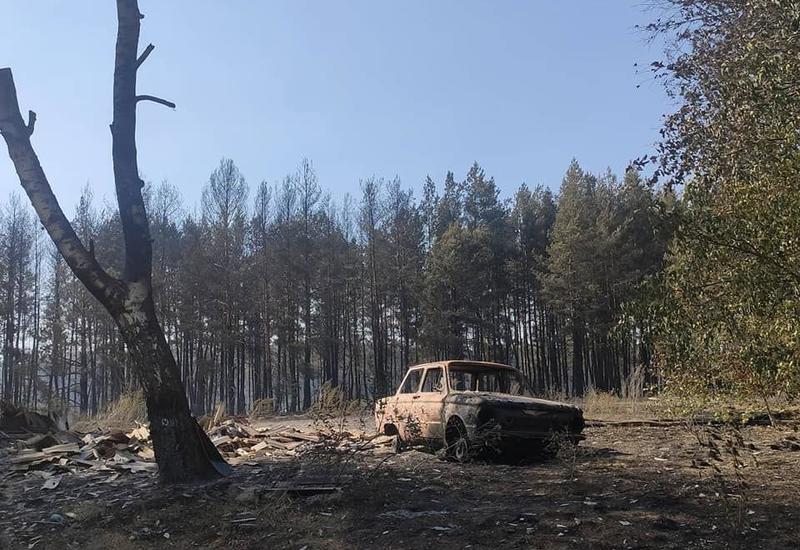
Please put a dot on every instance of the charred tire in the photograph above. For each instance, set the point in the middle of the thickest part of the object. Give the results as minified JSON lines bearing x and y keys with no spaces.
{"x":457,"y":444}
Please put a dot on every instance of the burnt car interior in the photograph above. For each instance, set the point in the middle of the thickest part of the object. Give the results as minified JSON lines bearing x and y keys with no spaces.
{"x":411,"y":383}
{"x":434,"y":381}
{"x":487,"y":379}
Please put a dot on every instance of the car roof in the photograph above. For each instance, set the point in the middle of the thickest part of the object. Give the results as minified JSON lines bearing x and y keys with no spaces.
{"x":461,"y":363}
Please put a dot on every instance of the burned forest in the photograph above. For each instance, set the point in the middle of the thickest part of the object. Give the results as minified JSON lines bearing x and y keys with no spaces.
{"x":464,"y":331}
{"x":267,"y":299}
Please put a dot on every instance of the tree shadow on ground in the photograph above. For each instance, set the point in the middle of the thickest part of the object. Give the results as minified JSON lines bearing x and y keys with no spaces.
{"x":610,"y":496}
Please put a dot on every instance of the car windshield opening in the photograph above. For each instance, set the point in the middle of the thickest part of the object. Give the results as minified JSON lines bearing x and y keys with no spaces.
{"x":487,"y":379}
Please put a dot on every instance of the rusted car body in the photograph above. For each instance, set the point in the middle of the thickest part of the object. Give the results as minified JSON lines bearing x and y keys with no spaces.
{"x":467,"y":406}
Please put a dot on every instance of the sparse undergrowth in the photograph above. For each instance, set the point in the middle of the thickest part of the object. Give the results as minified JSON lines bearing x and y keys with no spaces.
{"x":674,"y":407}
{"x":628,"y":487}
{"x":122,"y":414}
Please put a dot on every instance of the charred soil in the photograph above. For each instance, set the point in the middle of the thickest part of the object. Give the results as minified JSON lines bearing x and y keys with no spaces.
{"x":623,"y":487}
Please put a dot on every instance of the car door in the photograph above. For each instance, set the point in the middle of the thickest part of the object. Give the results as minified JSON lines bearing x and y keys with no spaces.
{"x":429,"y":403}
{"x":401,"y":407}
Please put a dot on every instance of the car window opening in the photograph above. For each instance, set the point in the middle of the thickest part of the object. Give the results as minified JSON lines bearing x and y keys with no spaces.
{"x":434,"y":382}
{"x":487,"y":379}
{"x":411,"y":383}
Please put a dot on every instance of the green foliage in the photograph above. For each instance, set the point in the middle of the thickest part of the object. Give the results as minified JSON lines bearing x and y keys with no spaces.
{"x":574,"y":250}
{"x":606,"y":243}
{"x":729,"y":323}
{"x":607,"y":239}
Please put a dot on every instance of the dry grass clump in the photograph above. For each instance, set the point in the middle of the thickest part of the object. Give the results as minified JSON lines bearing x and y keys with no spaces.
{"x":332,"y":401}
{"x":263,"y":408}
{"x":122,"y":414}
{"x":333,"y":413}
{"x":725,"y":409}
{"x":599,"y":405}
{"x":215,"y":418}
{"x":630,"y":404}
{"x":607,"y":406}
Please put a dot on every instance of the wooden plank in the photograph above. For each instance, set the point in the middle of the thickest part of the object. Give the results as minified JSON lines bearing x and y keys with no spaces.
{"x":250,"y":431}
{"x":300,"y":435}
{"x":66,"y":448}
{"x":278,"y":429}
{"x":40,"y":441}
{"x":23,"y":458}
{"x":221,"y":440}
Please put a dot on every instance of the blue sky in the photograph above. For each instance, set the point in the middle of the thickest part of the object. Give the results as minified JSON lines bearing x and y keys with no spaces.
{"x":360,"y":87}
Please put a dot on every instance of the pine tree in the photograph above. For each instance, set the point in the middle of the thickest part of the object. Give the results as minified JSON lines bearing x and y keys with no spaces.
{"x":573,"y":254}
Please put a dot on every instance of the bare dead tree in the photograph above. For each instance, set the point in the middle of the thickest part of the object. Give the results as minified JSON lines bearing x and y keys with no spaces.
{"x":183,"y":451}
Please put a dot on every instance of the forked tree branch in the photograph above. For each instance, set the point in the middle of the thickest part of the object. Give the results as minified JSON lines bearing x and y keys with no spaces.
{"x":183,"y":451}
{"x":17,"y":134}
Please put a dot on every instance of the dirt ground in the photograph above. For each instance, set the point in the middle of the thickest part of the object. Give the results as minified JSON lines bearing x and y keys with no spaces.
{"x":623,"y":487}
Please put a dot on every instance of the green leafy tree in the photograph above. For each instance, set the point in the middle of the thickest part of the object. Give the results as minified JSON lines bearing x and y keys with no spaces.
{"x":730,"y":323}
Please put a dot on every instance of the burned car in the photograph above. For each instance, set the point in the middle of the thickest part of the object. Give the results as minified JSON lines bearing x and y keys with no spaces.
{"x":470,"y":406}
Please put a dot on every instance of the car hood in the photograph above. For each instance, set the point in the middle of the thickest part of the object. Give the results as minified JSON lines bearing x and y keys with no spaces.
{"x":508,"y":401}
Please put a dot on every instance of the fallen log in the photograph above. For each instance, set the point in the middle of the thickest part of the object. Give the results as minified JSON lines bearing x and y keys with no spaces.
{"x":634,"y":423}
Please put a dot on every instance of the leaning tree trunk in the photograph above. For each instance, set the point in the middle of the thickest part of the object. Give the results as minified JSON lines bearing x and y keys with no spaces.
{"x":183,"y":450}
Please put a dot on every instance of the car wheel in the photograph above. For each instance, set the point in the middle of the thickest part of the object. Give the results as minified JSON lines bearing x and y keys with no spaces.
{"x":458,"y":445}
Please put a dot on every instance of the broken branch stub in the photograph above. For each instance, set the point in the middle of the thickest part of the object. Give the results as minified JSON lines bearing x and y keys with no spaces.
{"x":145,"y":54}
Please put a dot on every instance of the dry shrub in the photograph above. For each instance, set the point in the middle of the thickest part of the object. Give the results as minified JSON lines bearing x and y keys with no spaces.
{"x":332,"y":401}
{"x":263,"y":408}
{"x":597,"y":403}
{"x":209,"y":421}
{"x":565,"y":449}
{"x":607,"y":406}
{"x":332,"y":413}
{"x":631,"y":402}
{"x":723,"y":409}
{"x":724,"y":451}
{"x":123,"y":414}
{"x":329,"y":410}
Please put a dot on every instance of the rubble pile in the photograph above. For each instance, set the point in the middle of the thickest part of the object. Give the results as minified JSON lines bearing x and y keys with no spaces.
{"x":117,"y":452}
{"x":14,"y":420}
{"x":237,"y":438}
{"x":114,"y":451}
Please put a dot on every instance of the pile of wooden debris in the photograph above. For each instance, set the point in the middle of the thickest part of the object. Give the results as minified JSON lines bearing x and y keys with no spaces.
{"x":238,"y":440}
{"x":119,"y":452}
{"x":70,"y":452}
